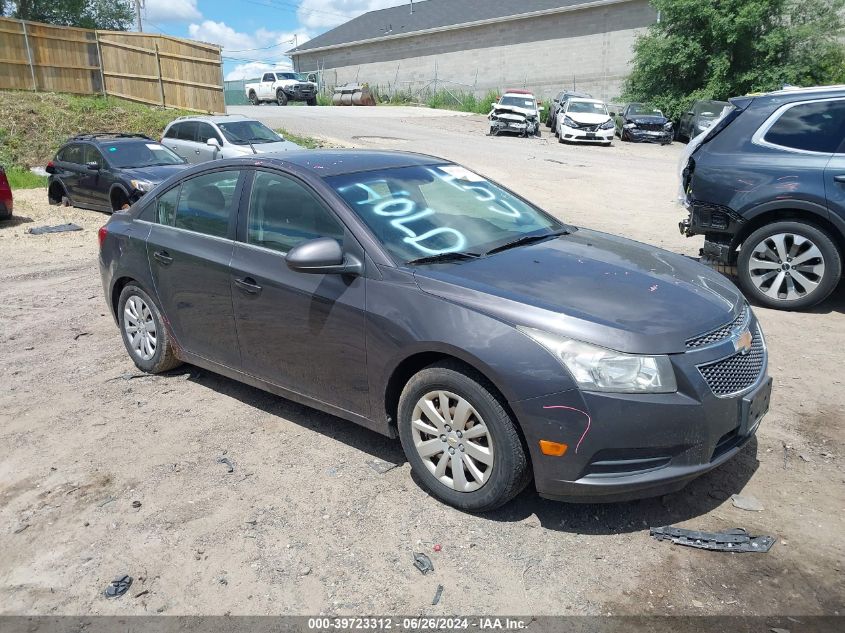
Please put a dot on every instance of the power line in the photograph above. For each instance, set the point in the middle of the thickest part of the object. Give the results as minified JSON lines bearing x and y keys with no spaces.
{"x":273,"y":4}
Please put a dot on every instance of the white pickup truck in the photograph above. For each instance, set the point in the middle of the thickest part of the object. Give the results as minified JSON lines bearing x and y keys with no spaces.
{"x":281,"y":87}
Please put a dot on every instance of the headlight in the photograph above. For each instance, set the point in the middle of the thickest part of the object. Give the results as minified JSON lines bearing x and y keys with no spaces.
{"x":142,"y":185}
{"x":569,"y":122}
{"x":598,"y":369}
{"x":668,"y":126}
{"x":629,"y":126}
{"x":608,"y":125}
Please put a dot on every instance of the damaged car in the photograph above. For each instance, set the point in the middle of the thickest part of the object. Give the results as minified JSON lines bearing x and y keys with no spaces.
{"x":516,"y":112}
{"x":640,"y":122}
{"x":585,"y":121}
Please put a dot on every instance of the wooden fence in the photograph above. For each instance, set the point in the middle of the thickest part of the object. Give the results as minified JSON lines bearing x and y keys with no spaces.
{"x":153,"y":69}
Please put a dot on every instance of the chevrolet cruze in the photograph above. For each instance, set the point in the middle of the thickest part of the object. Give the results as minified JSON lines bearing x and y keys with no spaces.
{"x":419,"y":299}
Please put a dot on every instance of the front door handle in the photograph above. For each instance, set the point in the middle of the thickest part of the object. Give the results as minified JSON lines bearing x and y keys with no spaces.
{"x":839,"y":178}
{"x":163,"y":257}
{"x":248,"y":285}
{"x":197,"y":151}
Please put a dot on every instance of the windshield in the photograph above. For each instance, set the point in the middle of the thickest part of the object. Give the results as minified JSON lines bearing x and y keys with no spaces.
{"x":245,"y":132}
{"x":140,"y":154}
{"x":587,"y":107}
{"x":644,"y":110}
{"x":431,"y":210}
{"x":710,"y":108}
{"x":519,"y":102}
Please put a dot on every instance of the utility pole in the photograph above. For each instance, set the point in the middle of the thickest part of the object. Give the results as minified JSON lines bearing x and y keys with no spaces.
{"x":138,"y":16}
{"x":412,"y":7}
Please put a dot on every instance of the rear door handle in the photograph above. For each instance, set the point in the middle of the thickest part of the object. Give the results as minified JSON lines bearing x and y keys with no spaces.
{"x":839,"y":178}
{"x":163,"y":257}
{"x":248,"y":285}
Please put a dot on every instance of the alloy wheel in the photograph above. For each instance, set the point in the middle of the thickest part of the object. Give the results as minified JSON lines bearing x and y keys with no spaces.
{"x":786,"y":266}
{"x":453,"y":441}
{"x":139,"y":327}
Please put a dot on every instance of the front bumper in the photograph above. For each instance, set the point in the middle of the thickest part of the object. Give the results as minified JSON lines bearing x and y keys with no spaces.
{"x":640,"y":135}
{"x":578,"y":135}
{"x":527,"y":127}
{"x":625,"y":446}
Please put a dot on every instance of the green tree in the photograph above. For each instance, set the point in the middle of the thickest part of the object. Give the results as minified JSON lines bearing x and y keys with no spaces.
{"x":115,"y":15}
{"x":717,"y":49}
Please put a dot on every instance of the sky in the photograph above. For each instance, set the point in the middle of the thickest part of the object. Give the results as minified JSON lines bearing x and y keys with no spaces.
{"x":254,"y":34}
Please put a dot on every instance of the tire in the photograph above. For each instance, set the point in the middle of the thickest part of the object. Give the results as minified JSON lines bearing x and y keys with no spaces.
{"x":253,"y":99}
{"x":500,"y":481}
{"x":494,"y":131}
{"x":164,"y":353}
{"x":539,"y":132}
{"x":790,"y":288}
{"x":281,"y":98}
{"x":312,"y":102}
{"x":623,"y":136}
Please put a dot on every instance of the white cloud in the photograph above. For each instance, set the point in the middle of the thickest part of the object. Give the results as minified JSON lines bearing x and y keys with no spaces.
{"x":322,"y":14}
{"x":253,"y":70}
{"x":163,"y":11}
{"x":263,"y":44}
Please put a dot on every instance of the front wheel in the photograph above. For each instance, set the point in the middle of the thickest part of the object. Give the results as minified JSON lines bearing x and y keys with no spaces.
{"x":143,"y":332}
{"x":460,"y":440}
{"x":281,"y":98}
{"x":789,"y":265}
{"x":312,"y":102}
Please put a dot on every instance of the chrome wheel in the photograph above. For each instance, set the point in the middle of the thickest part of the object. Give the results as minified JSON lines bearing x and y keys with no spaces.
{"x":452,"y":440}
{"x":139,"y":328}
{"x":786,"y":266}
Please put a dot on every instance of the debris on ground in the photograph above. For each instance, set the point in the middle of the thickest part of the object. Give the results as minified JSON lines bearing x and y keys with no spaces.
{"x":106,"y":501}
{"x":229,"y":465}
{"x":142,"y":593}
{"x":381,"y":466}
{"x":437,"y":595}
{"x":21,"y":528}
{"x":733,"y":540}
{"x":118,"y":586}
{"x":423,"y":563}
{"x":438,"y":547}
{"x":78,"y":335}
{"x":59,"y":228}
{"x":746,"y":502}
{"x":136,"y":504}
{"x":804,"y":457}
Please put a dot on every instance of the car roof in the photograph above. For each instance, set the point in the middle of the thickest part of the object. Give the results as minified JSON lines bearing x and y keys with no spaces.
{"x":325,"y":163}
{"x":585,"y":100}
{"x":213,"y":118}
{"x":518,"y":93}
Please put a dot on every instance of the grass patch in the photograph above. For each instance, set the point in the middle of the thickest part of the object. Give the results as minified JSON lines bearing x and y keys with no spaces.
{"x":462,"y":101}
{"x":307,"y":142}
{"x":20,"y":178}
{"x":34,"y":125}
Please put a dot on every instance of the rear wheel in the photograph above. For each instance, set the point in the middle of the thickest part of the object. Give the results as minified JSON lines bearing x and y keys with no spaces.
{"x":281,"y":98}
{"x":789,"y":265}
{"x":460,"y":440}
{"x":143,"y":332}
{"x":253,"y":98}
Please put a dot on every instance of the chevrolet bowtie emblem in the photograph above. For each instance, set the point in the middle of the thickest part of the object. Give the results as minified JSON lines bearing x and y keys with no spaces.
{"x":742,"y":343}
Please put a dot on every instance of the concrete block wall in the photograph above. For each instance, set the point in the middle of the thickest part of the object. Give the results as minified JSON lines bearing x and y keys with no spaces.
{"x":589,"y":49}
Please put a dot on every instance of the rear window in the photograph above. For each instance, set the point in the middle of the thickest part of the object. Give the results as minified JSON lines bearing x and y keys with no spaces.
{"x":810,"y":127}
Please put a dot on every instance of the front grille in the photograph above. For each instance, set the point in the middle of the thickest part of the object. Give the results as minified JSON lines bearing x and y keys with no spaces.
{"x":650,"y":127}
{"x":587,"y":127}
{"x":721,"y":333}
{"x":736,"y":373}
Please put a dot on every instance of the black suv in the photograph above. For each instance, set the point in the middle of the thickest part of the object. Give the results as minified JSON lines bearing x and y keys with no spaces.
{"x":108,"y":171}
{"x":766,"y":187}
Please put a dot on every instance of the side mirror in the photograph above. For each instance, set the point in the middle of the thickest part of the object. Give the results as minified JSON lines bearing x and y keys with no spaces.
{"x":541,"y":108}
{"x":93,"y":166}
{"x":494,"y":104}
{"x":612,"y":114}
{"x":323,"y":256}
{"x":212,"y":142}
{"x":50,"y":168}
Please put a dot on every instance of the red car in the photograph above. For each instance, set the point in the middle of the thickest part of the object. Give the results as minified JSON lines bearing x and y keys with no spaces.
{"x":6,"y":202}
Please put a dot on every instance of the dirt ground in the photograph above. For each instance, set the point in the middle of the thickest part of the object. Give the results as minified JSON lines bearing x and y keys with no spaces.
{"x":106,"y":471}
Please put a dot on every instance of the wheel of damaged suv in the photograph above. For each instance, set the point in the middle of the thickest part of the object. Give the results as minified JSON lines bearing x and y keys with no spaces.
{"x":460,"y":440}
{"x":281,"y":97}
{"x":789,"y":265}
{"x":143,"y":332}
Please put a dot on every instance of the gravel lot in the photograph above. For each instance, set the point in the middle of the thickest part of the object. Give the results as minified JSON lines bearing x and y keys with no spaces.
{"x":304,"y":524}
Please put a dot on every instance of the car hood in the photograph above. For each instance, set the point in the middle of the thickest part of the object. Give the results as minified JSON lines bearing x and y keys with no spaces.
{"x":644,"y":120}
{"x":588,"y":118}
{"x":593,"y":287}
{"x":527,"y":112}
{"x":156,"y":174}
{"x":268,"y":148}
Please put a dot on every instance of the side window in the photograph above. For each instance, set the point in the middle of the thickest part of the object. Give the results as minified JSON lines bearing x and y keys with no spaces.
{"x":173,"y":131}
{"x":283,"y":213}
{"x":269,"y":77}
{"x":812,"y":127}
{"x":187,"y":131}
{"x":206,"y":202}
{"x":72,"y":154}
{"x":91,"y":154}
{"x":205,"y":132}
{"x":166,"y":207}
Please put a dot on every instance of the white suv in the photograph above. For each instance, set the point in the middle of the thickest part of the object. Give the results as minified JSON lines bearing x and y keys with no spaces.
{"x":201,"y":138}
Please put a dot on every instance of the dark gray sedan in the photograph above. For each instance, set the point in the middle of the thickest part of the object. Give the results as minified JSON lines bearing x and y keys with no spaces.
{"x":420,"y":299}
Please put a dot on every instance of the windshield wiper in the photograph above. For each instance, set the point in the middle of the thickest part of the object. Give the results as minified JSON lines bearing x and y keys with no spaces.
{"x":526,"y":239}
{"x":443,"y":257}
